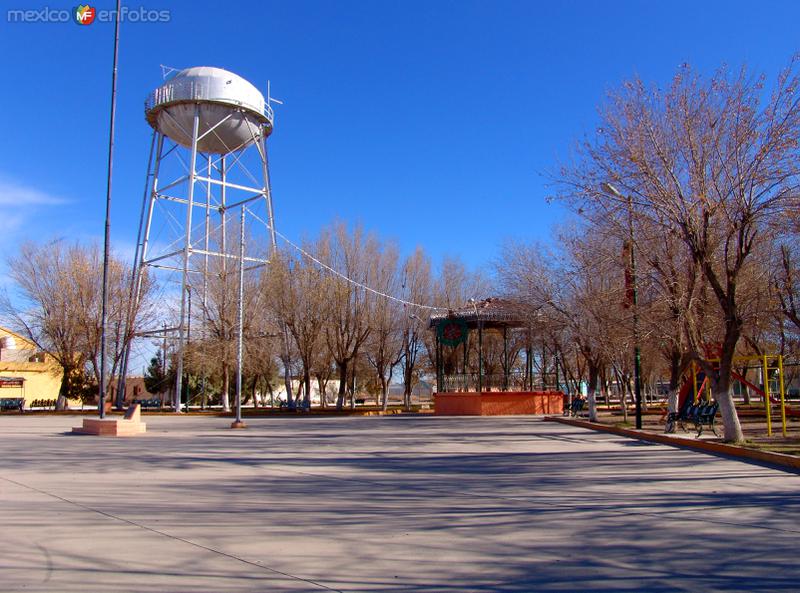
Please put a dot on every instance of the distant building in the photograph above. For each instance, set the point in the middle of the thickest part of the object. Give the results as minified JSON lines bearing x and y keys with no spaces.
{"x":135,"y":390}
{"x":421,"y":390}
{"x":27,"y":372}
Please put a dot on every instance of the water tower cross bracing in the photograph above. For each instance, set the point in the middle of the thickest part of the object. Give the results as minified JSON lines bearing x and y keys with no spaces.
{"x":207,"y":179}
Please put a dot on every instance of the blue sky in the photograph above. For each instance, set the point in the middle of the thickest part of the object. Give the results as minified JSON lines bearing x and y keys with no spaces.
{"x":430,"y":122}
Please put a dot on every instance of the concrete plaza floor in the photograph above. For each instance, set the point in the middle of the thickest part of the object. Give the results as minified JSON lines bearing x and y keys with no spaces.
{"x":384,"y":504}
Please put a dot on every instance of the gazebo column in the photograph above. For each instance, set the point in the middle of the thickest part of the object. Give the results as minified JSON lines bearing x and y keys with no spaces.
{"x":505,"y":358}
{"x":480,"y":356}
{"x":544,"y":367}
{"x":529,"y":365}
{"x":464,"y":367}
{"x":438,"y":363}
{"x":558,"y":384}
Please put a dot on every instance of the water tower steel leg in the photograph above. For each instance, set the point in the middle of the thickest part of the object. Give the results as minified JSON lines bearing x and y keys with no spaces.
{"x":209,"y":174}
{"x":187,"y":251}
{"x":207,"y":235}
{"x":136,"y":282}
{"x":240,"y":321}
{"x":223,"y":197}
{"x":262,"y":146}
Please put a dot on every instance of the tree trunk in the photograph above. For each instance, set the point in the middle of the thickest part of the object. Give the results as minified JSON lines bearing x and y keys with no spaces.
{"x":352,"y":388}
{"x":730,"y":419}
{"x":745,"y":388}
{"x":226,"y":385}
{"x":591,"y":391}
{"x":722,"y":388}
{"x":63,"y":391}
{"x":307,"y":387}
{"x":342,"y":384}
{"x":271,"y":394}
{"x":723,"y":394}
{"x":385,"y":393}
{"x":623,"y":383}
{"x":407,"y":387}
{"x":674,"y":381}
{"x":287,"y":381}
{"x":321,"y":387}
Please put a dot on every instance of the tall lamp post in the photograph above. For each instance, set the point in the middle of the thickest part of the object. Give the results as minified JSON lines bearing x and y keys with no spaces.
{"x":107,"y":236}
{"x":637,"y":353}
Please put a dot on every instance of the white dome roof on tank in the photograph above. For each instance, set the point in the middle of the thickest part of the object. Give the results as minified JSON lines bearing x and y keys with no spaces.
{"x":208,"y":83}
{"x":232,"y":112}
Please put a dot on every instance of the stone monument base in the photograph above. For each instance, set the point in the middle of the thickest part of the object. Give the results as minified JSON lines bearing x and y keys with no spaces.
{"x":130,"y":425}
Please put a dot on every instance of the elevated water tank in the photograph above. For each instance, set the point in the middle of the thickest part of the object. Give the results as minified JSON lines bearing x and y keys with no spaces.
{"x":232,"y":112}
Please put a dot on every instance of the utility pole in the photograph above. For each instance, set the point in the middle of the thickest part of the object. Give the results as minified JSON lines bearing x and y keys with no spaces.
{"x":637,"y":353}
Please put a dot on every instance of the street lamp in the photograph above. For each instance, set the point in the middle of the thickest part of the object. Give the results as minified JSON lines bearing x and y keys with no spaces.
{"x":637,"y":354}
{"x":474,"y":304}
{"x":107,"y":237}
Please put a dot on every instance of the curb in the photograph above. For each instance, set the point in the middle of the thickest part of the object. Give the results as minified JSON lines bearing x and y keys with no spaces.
{"x":778,"y":459}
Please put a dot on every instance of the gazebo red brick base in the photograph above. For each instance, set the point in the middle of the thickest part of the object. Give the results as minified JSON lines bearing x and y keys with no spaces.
{"x":498,"y":403}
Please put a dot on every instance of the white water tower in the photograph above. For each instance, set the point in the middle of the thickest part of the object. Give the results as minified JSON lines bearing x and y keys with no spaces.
{"x":208,"y":169}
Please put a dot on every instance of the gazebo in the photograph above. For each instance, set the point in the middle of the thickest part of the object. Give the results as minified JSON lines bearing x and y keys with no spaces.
{"x":479,"y":390}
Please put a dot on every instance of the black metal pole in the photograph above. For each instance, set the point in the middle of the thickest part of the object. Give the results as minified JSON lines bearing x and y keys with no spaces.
{"x":529,"y":363}
{"x":505,"y":358}
{"x":188,"y":344}
{"x":107,"y":238}
{"x":555,"y":362}
{"x":637,"y":354}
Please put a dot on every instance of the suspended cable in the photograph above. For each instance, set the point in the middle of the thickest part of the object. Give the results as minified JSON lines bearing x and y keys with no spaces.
{"x":345,"y":277}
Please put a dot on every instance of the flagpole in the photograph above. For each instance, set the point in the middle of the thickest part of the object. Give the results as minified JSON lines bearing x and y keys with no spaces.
{"x":107,"y":239}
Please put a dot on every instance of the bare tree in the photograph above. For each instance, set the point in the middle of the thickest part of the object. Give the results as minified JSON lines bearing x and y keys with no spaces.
{"x":710,"y":161}
{"x":415,"y":288}
{"x":57,"y":307}
{"x":121,"y":330}
{"x":383,"y":348}
{"x":295,"y":285}
{"x":214,"y":320}
{"x":350,"y":304}
{"x":788,"y":284}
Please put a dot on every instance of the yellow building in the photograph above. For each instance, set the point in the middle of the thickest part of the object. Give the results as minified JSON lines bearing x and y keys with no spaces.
{"x":20,"y":359}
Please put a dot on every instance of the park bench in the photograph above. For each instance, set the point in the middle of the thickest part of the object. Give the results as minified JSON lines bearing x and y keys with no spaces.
{"x":43,"y":403}
{"x":150,"y":403}
{"x":575,"y":408}
{"x":12,"y":403}
{"x":700,"y":414}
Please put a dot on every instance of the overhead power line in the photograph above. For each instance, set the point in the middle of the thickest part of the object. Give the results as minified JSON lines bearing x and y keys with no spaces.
{"x":347,"y":278}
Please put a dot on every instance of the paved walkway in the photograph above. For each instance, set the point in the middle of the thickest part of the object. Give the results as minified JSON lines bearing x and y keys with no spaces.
{"x":384,"y":504}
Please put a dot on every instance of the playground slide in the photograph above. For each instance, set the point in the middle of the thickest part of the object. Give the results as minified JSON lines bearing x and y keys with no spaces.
{"x":685,"y":390}
{"x":760,"y":392}
{"x":688,"y":389}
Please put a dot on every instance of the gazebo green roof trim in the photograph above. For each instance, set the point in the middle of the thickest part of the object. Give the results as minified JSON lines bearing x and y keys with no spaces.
{"x":490,"y":313}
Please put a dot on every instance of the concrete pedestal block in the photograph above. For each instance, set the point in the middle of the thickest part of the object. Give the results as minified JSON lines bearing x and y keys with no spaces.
{"x":130,"y":425}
